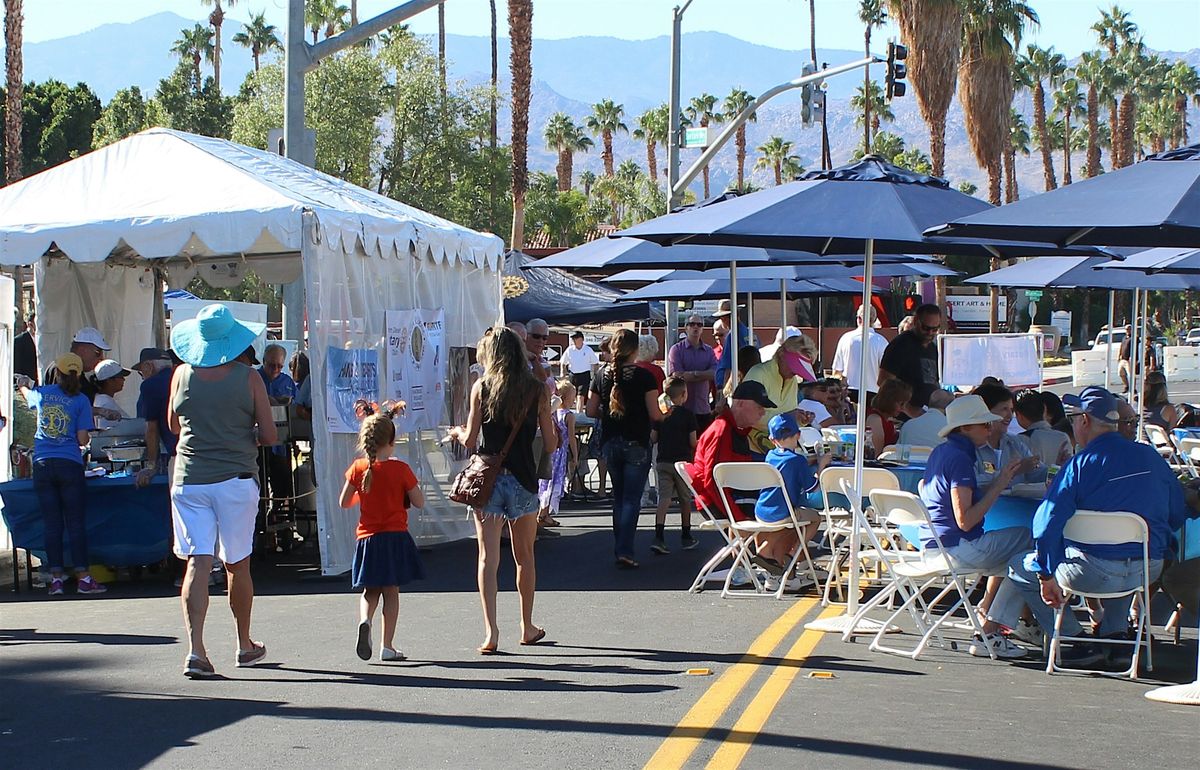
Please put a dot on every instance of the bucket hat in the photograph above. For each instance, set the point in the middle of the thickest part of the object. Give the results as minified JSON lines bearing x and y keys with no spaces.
{"x":107,"y":369}
{"x":968,"y":410}
{"x":213,"y":337}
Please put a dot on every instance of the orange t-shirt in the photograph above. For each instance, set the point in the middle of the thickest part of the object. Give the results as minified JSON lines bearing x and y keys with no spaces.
{"x":384,"y":508}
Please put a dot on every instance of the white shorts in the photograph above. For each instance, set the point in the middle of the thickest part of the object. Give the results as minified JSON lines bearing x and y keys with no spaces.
{"x":207,"y":515}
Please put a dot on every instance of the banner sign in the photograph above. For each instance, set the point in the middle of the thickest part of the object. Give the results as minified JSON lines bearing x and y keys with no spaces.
{"x":417,"y":365}
{"x":974,"y":308}
{"x":967,"y":358}
{"x":349,"y":375}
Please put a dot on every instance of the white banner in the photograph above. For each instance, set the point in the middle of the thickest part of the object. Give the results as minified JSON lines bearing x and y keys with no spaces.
{"x":417,"y":366}
{"x":351,"y":374}
{"x":967,"y":358}
{"x":974,"y":308}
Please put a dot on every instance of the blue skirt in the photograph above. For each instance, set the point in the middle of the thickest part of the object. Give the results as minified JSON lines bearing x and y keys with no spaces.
{"x":386,"y":559}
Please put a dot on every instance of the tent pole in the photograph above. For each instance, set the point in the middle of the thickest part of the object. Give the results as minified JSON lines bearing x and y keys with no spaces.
{"x":842,"y":623}
{"x":1141,"y":354}
{"x":733,"y":324}
{"x":1112,"y":298}
{"x":783,"y":319}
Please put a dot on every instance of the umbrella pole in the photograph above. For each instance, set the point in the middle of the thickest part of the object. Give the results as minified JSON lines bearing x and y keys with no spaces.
{"x":733,"y":318}
{"x":1112,"y":298}
{"x":821,"y":335}
{"x":844,"y":624}
{"x":1141,"y":354}
{"x":782,"y":308}
{"x":750,"y":317}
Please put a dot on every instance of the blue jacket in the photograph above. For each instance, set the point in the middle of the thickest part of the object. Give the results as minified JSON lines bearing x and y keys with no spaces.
{"x":725,"y":364}
{"x":1110,"y":473}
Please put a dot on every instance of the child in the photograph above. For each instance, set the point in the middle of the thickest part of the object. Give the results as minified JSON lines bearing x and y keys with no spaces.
{"x":776,"y":548}
{"x":386,"y":556}
{"x":550,"y":491}
{"x":676,"y":439}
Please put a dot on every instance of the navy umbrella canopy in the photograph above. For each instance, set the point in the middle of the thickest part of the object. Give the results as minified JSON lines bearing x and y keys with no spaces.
{"x":1083,"y":273}
{"x":1155,"y":202}
{"x":718,"y":286}
{"x":1159,"y":263}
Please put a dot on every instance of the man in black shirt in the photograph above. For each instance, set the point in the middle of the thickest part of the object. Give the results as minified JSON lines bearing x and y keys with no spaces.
{"x":25,"y":351}
{"x":912,"y":356}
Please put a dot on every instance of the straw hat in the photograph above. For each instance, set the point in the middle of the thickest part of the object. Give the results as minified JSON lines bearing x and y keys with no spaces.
{"x":968,"y":410}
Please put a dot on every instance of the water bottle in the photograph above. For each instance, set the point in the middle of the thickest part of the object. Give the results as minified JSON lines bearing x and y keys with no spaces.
{"x":869,"y":445}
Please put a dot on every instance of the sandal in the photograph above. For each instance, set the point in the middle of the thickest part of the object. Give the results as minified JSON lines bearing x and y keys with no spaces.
{"x":548,"y":521}
{"x":539,"y":636}
{"x":624,"y":562}
{"x":488,"y":649}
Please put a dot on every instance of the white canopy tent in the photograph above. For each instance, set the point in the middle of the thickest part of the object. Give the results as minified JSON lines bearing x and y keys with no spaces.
{"x":103,"y":230}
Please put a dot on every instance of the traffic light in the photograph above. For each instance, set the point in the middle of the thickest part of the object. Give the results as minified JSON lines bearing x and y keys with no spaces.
{"x":806,"y":95}
{"x":897,"y":71}
{"x":911,"y":303}
{"x":818,"y":104}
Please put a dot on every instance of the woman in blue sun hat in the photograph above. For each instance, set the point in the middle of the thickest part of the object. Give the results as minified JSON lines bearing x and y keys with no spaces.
{"x":220,"y":411}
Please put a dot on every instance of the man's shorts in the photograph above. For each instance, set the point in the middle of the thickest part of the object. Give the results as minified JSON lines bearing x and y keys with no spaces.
{"x":215,"y":519}
{"x":670,"y":486}
{"x":582,"y":381}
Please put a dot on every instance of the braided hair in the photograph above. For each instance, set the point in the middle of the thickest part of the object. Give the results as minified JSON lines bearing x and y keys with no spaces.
{"x":377,"y":430}
{"x":622,"y":347}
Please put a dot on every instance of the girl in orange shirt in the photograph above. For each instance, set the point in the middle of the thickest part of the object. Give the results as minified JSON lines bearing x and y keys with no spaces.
{"x":386,"y":556}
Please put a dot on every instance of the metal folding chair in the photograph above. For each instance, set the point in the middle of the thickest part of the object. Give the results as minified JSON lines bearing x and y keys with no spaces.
{"x":709,"y":570}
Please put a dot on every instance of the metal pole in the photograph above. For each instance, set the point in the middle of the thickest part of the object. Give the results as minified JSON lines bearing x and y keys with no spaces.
{"x":750,"y":316}
{"x":783,"y":303}
{"x":296,"y":62}
{"x":673,"y":197}
{"x":733,"y":335}
{"x":1141,"y":354}
{"x":671,"y":335}
{"x":821,"y":335}
{"x":1108,"y":354}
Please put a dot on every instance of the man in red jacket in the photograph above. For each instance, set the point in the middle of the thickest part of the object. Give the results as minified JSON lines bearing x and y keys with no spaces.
{"x":726,"y":441}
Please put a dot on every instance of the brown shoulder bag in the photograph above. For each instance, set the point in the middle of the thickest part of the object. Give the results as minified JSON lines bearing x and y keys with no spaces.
{"x":473,"y":484}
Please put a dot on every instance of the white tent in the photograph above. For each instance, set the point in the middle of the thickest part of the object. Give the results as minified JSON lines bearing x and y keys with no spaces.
{"x":102,"y":228}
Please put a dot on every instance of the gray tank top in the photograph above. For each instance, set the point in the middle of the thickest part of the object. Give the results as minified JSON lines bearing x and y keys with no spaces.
{"x":217,"y":441}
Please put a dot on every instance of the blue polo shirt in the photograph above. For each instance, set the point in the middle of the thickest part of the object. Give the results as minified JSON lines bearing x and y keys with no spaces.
{"x":951,"y":464}
{"x":799,"y":479}
{"x":1110,"y":473}
{"x":153,"y":396}
{"x":59,"y":419}
{"x":282,"y":386}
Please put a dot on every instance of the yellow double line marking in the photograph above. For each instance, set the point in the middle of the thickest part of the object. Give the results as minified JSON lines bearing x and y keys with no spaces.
{"x":703,"y":716}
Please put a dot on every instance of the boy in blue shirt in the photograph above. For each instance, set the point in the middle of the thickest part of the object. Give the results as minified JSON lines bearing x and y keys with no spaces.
{"x":776,"y":548}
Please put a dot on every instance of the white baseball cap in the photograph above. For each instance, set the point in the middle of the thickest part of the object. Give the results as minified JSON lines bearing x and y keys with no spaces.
{"x":107,"y":369}
{"x":90,"y":335}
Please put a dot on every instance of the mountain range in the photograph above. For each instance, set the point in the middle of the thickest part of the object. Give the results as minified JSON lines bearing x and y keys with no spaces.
{"x":570,"y":75}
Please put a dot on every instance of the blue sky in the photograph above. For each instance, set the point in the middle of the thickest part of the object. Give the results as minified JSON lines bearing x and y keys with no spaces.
{"x":1167,"y":24}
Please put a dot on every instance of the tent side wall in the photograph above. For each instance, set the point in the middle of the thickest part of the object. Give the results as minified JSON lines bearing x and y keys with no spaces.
{"x":347,"y":295}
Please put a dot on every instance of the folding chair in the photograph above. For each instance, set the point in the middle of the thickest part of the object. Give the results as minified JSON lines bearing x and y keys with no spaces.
{"x":810,"y":437}
{"x":758,"y":476}
{"x":838,"y":520}
{"x":709,"y":570}
{"x":916,"y":452}
{"x":1160,"y":439}
{"x":901,"y":510}
{"x":1189,"y":455}
{"x":1108,"y":528}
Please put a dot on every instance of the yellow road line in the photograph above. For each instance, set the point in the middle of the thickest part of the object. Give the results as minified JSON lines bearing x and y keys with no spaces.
{"x":731,"y":753}
{"x":703,"y":716}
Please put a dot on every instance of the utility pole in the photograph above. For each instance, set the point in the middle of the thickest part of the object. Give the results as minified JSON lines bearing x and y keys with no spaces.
{"x":300,"y":57}
{"x":673,"y":137}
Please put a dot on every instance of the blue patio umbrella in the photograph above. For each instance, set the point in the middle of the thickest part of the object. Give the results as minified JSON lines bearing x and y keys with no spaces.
{"x":916,"y":269}
{"x":1160,"y":263}
{"x":1155,"y":202}
{"x":692,"y":288}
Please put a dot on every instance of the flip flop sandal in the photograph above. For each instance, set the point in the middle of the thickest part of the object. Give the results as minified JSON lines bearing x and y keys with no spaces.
{"x":539,"y":636}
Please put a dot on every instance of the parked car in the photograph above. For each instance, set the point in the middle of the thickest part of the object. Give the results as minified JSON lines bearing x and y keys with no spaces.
{"x":1102,"y":340}
{"x":1193,"y":337}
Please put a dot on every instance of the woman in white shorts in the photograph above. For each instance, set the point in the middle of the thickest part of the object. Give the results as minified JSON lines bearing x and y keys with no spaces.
{"x":220,"y":411}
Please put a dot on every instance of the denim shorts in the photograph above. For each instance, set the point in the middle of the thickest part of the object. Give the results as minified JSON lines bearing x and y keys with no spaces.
{"x":510,"y":499}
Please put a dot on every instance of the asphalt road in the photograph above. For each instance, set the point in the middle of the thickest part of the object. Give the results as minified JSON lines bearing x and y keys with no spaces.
{"x":96,"y":682}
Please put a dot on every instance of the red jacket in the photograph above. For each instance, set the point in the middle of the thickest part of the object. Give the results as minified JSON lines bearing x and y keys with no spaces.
{"x":723,"y":442}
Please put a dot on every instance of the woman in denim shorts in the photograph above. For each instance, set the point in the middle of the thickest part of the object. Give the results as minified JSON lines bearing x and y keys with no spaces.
{"x":508,"y":394}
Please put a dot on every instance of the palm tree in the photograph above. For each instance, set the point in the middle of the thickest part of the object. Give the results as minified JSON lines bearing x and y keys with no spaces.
{"x":872,"y":14}
{"x":887,"y":145}
{"x":652,"y":128}
{"x":933,"y":31}
{"x":520,"y":33}
{"x":605,"y":121}
{"x":587,"y":179}
{"x":14,"y":93}
{"x":1090,"y":70}
{"x":1114,"y":29}
{"x":442,"y":50}
{"x":826,"y":160}
{"x":1183,"y":83}
{"x":701,"y":111}
{"x":566,"y":138}
{"x":1138,"y":71}
{"x":353,"y":13}
{"x":216,"y":19}
{"x":776,"y":154}
{"x":1018,"y":142}
{"x":1156,"y":122}
{"x":494,"y":95}
{"x":1035,"y":67}
{"x":734,"y":104}
{"x":871,"y":105}
{"x":195,"y":44}
{"x":259,"y":37}
{"x":1068,"y":101}
{"x":325,"y":15}
{"x":991,"y":35}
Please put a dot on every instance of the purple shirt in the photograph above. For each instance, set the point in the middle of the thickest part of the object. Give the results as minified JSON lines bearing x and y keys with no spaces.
{"x":685,"y":358}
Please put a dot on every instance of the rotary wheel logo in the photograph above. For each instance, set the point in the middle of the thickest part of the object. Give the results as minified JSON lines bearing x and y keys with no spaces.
{"x":514,"y":286}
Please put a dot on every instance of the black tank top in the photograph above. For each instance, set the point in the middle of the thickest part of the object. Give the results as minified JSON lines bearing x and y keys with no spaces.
{"x":519,"y":461}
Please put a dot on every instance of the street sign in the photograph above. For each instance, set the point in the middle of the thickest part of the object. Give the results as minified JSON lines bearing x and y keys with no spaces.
{"x":696,"y":138}
{"x":1033,"y":294}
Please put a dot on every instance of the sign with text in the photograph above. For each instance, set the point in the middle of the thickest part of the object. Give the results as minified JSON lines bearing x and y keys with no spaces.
{"x":967,"y":358}
{"x":974,"y":309}
{"x":417,"y":362}
{"x":696,"y":138}
{"x":350,"y":374}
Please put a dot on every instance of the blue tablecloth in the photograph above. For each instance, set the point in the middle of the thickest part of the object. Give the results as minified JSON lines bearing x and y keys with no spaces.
{"x":126,"y":526}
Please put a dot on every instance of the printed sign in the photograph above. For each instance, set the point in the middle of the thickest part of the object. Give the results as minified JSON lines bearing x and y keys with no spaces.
{"x":974,"y":309}
{"x":417,"y":363}
{"x":967,"y":358}
{"x":349,"y":375}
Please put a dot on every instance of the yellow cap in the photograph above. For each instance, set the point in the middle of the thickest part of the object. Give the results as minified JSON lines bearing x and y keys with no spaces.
{"x":69,"y":363}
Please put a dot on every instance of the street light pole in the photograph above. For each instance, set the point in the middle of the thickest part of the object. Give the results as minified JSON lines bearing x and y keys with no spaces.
{"x":673,"y":198}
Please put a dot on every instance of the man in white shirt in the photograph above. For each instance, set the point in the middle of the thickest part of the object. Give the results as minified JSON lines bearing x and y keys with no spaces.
{"x":848,"y":356}
{"x":923,"y":430}
{"x":817,"y":396}
{"x":578,"y":360}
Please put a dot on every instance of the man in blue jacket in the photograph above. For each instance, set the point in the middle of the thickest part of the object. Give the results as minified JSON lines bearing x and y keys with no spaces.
{"x":1110,"y":473}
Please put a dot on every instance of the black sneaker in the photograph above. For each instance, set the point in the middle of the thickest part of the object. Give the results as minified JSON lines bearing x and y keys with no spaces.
{"x":770,"y":565}
{"x":688,"y":542}
{"x":660,"y":547}
{"x":1080,"y":655}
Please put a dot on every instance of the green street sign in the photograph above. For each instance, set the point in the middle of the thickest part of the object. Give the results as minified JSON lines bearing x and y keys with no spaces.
{"x":1033,"y":294}
{"x":695,"y":137}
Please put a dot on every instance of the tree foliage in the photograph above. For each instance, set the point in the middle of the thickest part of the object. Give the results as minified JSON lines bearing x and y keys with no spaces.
{"x":57,"y":122}
{"x":189,"y":104}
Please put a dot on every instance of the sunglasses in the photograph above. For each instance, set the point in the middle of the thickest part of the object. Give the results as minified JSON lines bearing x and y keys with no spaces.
{"x":695,"y":323}
{"x":539,"y":336}
{"x":931,"y":328}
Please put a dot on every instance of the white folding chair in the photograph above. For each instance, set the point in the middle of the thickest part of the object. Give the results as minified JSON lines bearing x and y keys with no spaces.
{"x":758,"y":476}
{"x":1189,"y":455}
{"x":810,"y":437}
{"x":838,"y":520}
{"x":1108,"y":528}
{"x":1160,"y":439}
{"x":916,"y":452}
{"x":902,"y":510}
{"x":709,"y":570}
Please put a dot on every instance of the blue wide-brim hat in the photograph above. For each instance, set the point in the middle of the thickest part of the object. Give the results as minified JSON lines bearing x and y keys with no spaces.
{"x":213,"y":337}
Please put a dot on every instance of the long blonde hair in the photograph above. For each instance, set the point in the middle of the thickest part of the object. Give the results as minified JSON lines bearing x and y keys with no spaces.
{"x":507,"y":379}
{"x":377,"y":431}
{"x":622,"y":347}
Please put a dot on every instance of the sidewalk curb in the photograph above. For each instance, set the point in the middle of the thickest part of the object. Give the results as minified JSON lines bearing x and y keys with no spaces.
{"x":1056,"y":380}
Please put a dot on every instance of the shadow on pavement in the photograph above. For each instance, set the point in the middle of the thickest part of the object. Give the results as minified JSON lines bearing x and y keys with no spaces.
{"x":14,"y":636}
